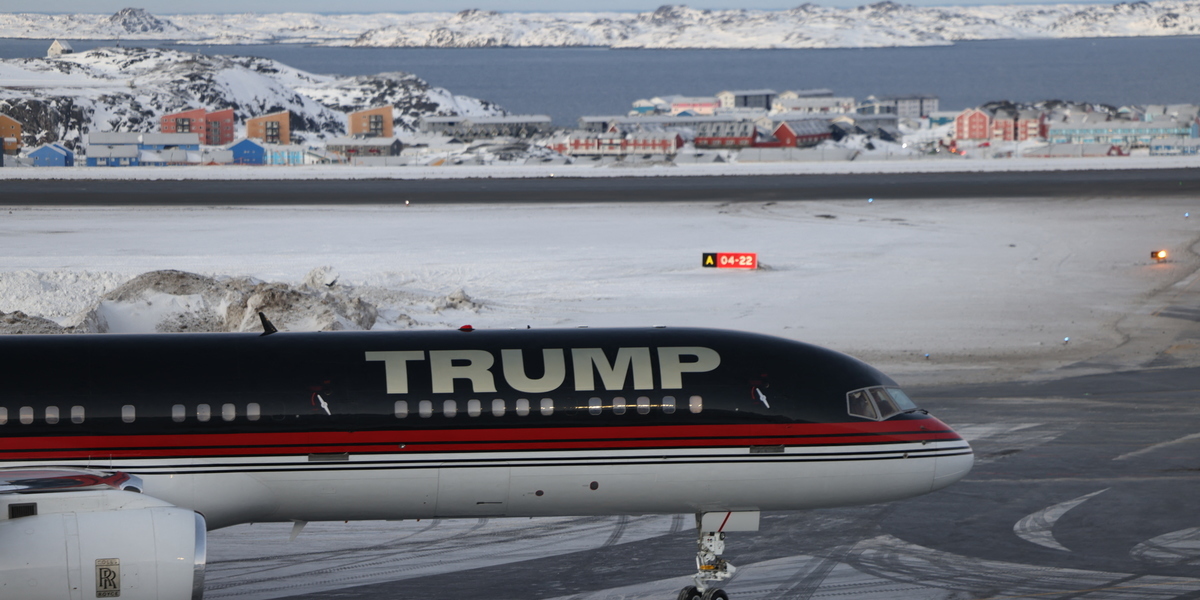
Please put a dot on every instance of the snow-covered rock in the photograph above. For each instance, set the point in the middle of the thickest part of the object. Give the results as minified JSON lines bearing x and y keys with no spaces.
{"x":129,"y":89}
{"x":880,"y":24}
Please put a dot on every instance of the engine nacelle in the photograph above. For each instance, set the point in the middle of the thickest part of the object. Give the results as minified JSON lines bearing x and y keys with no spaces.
{"x":99,"y":544}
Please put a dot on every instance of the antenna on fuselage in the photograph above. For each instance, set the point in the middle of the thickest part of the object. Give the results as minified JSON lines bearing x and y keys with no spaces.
{"x":268,"y":328}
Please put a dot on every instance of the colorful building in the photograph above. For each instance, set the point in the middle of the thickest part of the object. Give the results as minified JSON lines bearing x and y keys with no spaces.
{"x":362,"y":147}
{"x":52,"y":155}
{"x":802,"y":132}
{"x":973,"y":124}
{"x":10,"y":134}
{"x":213,"y":128}
{"x":274,"y":128}
{"x":373,"y":122}
{"x":248,"y":152}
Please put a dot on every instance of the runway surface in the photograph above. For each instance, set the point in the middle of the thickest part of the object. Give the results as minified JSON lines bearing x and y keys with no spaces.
{"x":1074,"y":184}
{"x":1083,"y":488}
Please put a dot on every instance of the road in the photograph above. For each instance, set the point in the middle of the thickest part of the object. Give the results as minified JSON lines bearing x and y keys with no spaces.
{"x":1073,"y":184}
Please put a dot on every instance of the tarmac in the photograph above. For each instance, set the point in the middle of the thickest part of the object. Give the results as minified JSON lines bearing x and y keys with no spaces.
{"x":1085,"y":484}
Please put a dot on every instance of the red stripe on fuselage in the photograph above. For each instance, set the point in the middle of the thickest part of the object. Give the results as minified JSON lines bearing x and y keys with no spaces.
{"x":472,"y":440}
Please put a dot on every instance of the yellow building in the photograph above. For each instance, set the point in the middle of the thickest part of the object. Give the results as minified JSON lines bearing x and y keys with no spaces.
{"x":274,"y":128}
{"x":373,"y":122}
{"x":10,"y":134}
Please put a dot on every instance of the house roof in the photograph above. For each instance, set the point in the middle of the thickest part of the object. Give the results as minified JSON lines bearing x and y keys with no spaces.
{"x":64,"y":44}
{"x":119,"y":151}
{"x":55,"y":148}
{"x":511,"y":119}
{"x":762,"y":92}
{"x":807,"y":126}
{"x":360,"y":141}
{"x":109,"y":138}
{"x":813,"y":93}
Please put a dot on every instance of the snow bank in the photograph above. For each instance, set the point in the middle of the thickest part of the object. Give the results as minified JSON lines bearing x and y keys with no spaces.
{"x":987,"y":289}
{"x":340,"y":172}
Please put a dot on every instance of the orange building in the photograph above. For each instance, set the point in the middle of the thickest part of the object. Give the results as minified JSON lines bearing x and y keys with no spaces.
{"x":214,"y":128}
{"x":973,"y":124}
{"x":10,"y":134}
{"x":373,"y":122}
{"x":274,"y":128}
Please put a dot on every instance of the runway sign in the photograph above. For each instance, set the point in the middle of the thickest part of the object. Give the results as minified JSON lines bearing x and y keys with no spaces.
{"x":730,"y":260}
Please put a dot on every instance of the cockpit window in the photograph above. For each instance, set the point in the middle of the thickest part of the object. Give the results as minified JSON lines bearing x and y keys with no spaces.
{"x":860,"y":405}
{"x":884,"y":403}
{"x":878,"y":403}
{"x":902,"y":399}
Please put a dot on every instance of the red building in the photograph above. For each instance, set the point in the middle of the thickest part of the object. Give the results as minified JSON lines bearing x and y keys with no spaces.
{"x":1004,"y":126}
{"x":972,"y":124}
{"x":806,"y":132}
{"x":214,"y":129}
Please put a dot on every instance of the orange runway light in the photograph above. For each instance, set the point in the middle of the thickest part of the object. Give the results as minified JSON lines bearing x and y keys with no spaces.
{"x":1159,"y":255}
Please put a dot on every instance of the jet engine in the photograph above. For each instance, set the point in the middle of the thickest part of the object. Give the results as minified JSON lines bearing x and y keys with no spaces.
{"x":99,"y":544}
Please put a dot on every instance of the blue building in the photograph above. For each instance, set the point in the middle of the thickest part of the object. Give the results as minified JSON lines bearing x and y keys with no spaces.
{"x":156,"y":142}
{"x":248,"y":152}
{"x":121,"y":155}
{"x":52,"y":155}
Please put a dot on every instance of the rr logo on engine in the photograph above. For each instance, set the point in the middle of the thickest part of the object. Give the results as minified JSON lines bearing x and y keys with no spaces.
{"x":108,"y":578}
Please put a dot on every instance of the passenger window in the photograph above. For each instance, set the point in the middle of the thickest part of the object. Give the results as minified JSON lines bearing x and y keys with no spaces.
{"x":450,"y":408}
{"x":903,"y":402}
{"x":522,"y":407}
{"x":643,"y":405}
{"x":401,"y":409}
{"x":203,"y":413}
{"x":547,"y":407}
{"x":884,"y":403}
{"x":178,"y":413}
{"x":859,"y":405}
{"x":26,"y":415}
{"x":52,"y":415}
{"x":498,"y":407}
{"x":128,"y":413}
{"x":668,"y":405}
{"x":425,"y":409}
{"x":618,"y":406}
{"x":228,"y":412}
{"x":3,"y":416}
{"x":696,"y":404}
{"x":76,"y":414}
{"x":594,"y":406}
{"x":473,"y":408}
{"x":253,"y":411}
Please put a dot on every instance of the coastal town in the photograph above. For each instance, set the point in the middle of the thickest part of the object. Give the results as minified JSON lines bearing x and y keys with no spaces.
{"x":745,"y":126}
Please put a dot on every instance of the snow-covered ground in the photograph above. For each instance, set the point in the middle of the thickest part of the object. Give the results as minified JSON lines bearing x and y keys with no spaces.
{"x":988,"y":289}
{"x":671,"y":26}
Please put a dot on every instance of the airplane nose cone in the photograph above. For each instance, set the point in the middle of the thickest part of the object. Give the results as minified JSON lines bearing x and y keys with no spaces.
{"x":952,"y":468}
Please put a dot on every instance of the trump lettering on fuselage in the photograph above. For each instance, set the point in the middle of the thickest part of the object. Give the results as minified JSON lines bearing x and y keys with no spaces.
{"x":590,"y":368}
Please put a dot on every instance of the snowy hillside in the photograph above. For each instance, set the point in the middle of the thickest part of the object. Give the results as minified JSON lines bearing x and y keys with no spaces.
{"x":128,"y":89}
{"x":807,"y":26}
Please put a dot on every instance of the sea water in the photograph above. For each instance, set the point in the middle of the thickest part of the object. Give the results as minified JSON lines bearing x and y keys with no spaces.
{"x":567,"y":83}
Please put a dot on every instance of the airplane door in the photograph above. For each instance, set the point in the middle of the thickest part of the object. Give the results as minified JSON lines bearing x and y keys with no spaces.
{"x":472,"y":491}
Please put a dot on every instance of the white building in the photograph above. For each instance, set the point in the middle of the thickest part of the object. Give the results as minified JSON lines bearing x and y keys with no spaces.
{"x":59,"y":48}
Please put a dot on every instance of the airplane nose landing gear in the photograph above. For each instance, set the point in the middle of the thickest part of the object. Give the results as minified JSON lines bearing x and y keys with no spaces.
{"x":710,"y":567}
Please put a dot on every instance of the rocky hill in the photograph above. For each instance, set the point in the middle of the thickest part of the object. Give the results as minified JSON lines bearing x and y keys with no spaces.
{"x":129,"y":89}
{"x":672,"y":26}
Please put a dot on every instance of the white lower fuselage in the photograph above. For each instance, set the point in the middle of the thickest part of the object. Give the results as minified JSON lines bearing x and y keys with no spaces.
{"x":232,"y":490}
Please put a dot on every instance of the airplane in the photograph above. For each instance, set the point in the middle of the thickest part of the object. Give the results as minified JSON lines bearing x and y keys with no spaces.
{"x":119,"y":452}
